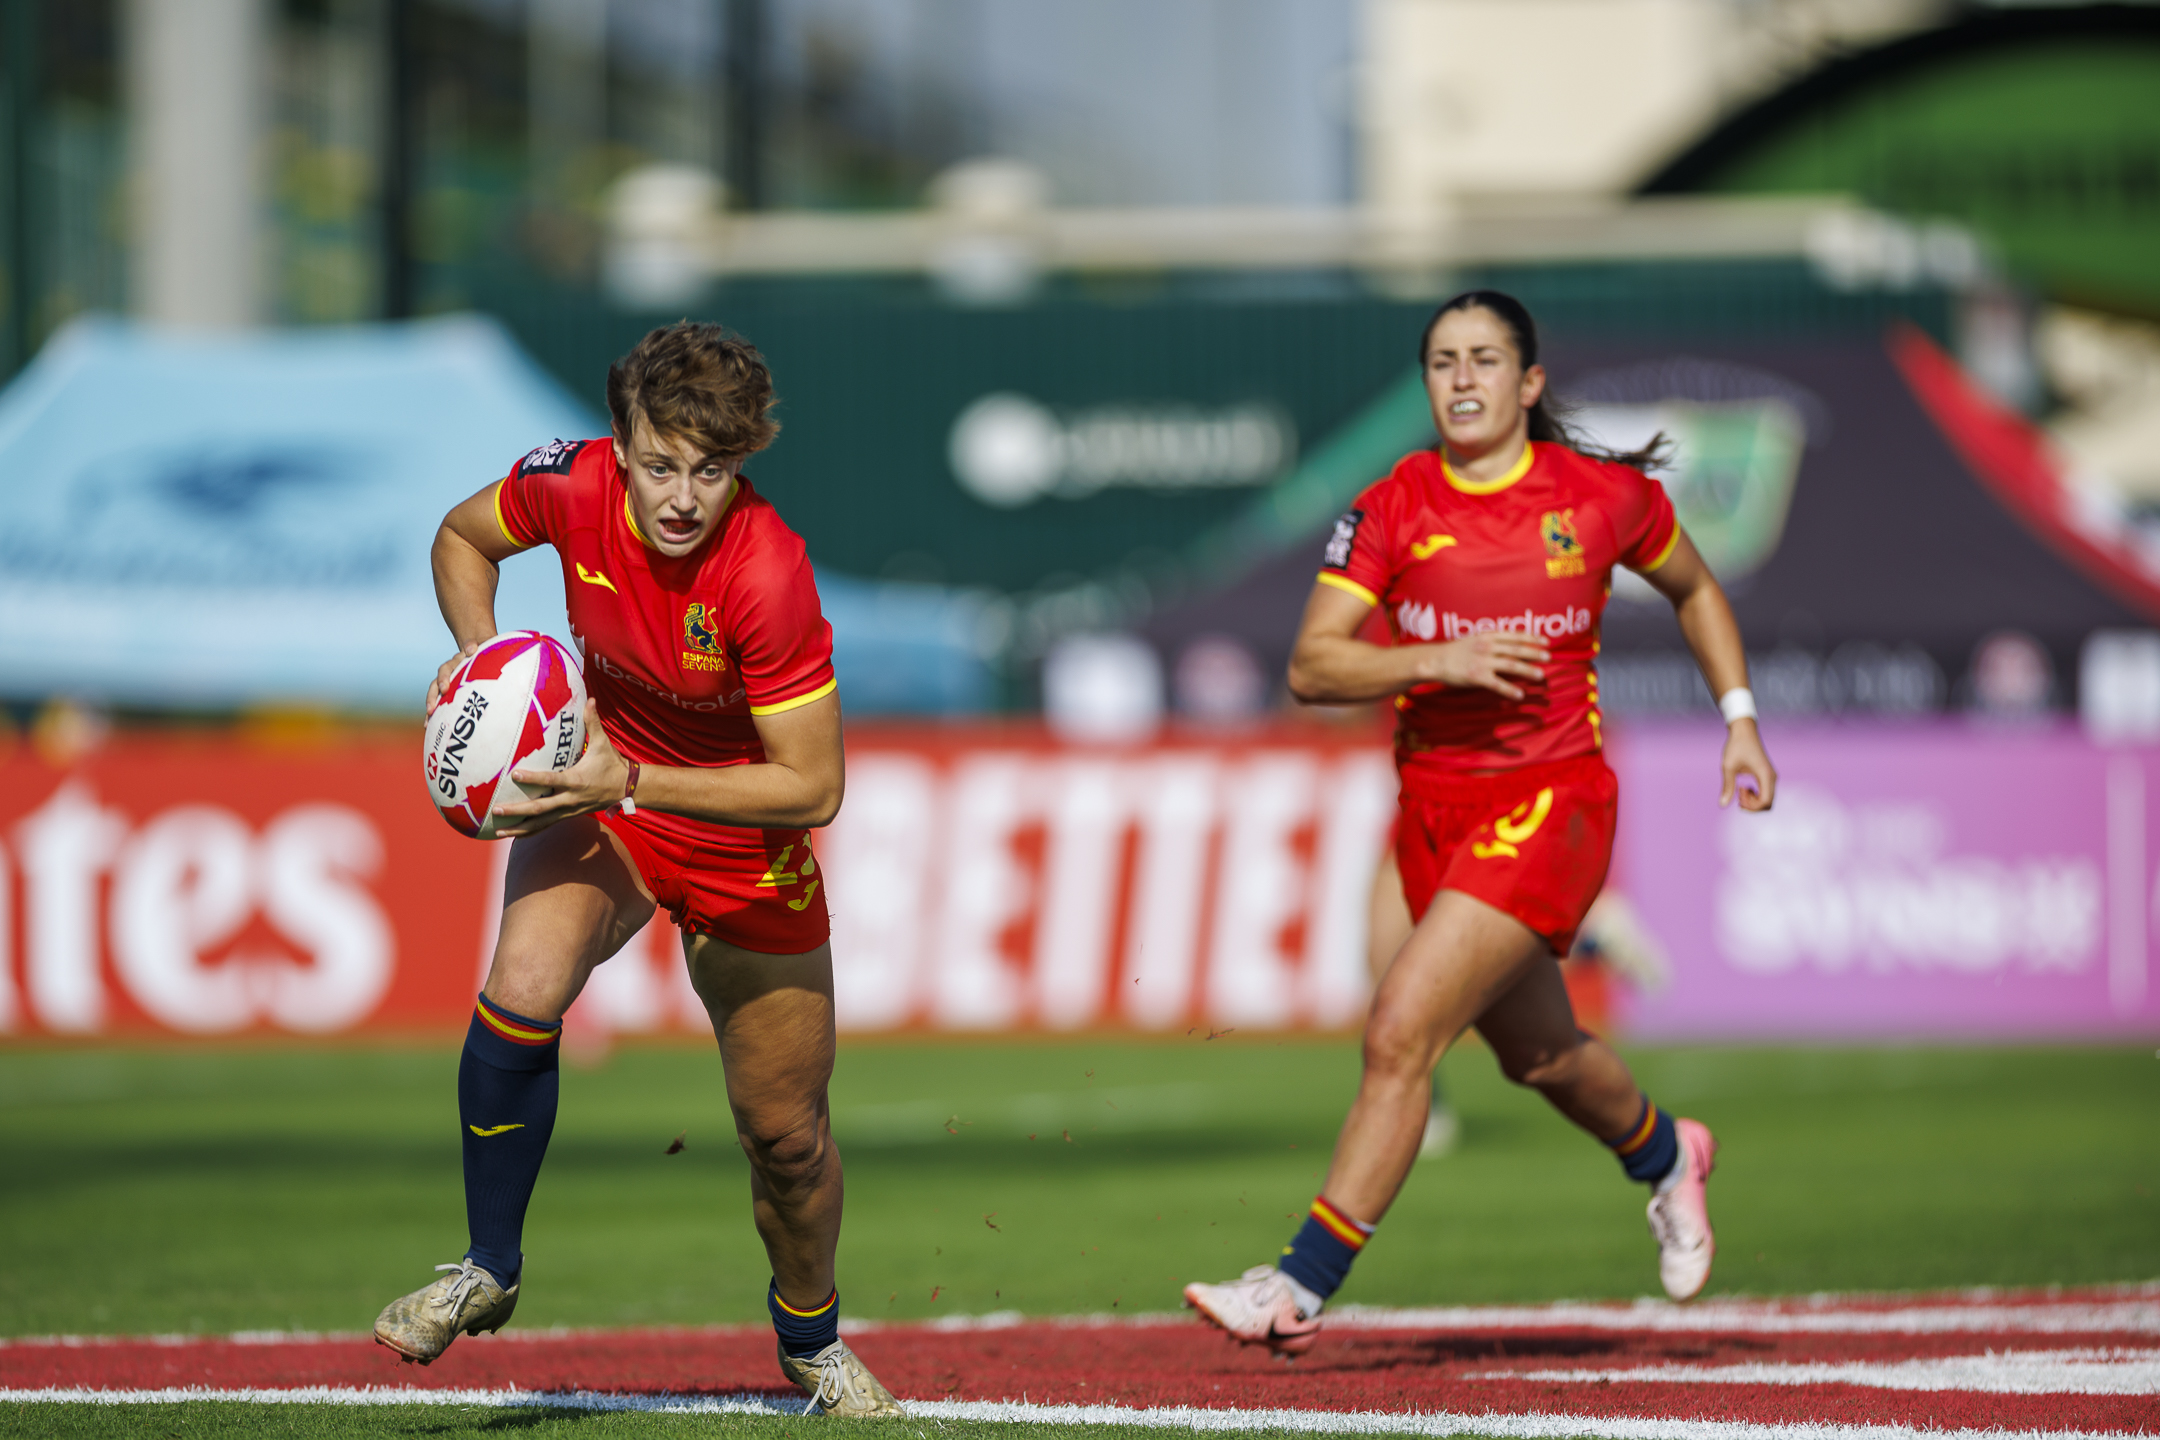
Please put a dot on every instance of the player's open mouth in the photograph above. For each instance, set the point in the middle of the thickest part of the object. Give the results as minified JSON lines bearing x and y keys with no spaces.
{"x":672,"y":528}
{"x":1462,"y":408}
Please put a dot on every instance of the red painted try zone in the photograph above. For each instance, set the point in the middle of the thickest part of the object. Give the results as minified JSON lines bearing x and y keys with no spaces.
{"x":2070,"y":1360}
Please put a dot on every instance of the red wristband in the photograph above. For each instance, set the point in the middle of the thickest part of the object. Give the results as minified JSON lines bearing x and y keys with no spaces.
{"x":629,"y":791}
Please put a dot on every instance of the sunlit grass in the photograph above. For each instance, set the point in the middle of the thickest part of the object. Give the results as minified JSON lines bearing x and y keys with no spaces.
{"x":197,"y":1190}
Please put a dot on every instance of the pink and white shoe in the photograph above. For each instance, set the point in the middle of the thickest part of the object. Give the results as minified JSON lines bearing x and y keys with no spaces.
{"x":1680,"y":1216}
{"x":1257,"y":1308}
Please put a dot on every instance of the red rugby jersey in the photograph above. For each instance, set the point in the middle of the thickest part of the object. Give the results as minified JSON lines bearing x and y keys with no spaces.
{"x":1534,"y":550}
{"x":679,"y":653}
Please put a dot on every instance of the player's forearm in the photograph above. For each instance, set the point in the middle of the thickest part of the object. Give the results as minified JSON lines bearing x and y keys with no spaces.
{"x":767,"y":796}
{"x":465,"y":583}
{"x":1713,"y":635}
{"x":1338,"y":670}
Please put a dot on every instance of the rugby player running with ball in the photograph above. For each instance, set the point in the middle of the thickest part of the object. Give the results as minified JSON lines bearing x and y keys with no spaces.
{"x":1492,"y":557}
{"x":714,"y":746}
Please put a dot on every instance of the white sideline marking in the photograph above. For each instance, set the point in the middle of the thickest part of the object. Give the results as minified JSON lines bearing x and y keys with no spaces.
{"x":2138,"y":1313}
{"x":2011,"y":1372}
{"x":1755,"y":1317}
{"x":2131,"y":1310}
{"x":1169,"y":1417}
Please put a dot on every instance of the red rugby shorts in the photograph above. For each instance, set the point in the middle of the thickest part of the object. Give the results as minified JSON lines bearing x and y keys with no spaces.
{"x":761,"y":890}
{"x":1533,"y":842}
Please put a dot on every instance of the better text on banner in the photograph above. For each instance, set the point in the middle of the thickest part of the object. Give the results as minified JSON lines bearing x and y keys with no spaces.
{"x":984,"y":879}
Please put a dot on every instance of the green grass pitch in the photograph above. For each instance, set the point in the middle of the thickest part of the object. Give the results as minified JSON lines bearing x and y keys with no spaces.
{"x":191,"y":1190}
{"x":282,"y":1188}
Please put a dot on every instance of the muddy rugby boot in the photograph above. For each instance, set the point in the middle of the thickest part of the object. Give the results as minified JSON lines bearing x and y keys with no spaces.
{"x":467,"y":1302}
{"x":1680,"y":1215}
{"x":838,"y":1383}
{"x":1257,"y":1308}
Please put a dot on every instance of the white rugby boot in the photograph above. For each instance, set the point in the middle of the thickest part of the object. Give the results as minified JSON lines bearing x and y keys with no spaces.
{"x":1680,"y":1215}
{"x":1258,"y":1308}
{"x":469,"y":1301}
{"x":838,"y":1383}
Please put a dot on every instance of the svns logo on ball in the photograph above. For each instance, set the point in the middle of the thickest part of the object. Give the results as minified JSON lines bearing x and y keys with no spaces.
{"x":444,"y":776}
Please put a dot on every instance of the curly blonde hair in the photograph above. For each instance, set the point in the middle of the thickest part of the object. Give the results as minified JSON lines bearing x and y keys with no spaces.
{"x":695,"y":380}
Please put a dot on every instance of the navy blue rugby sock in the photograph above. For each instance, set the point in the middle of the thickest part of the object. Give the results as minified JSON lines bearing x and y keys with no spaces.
{"x":803,"y":1332}
{"x":1318,"y":1257}
{"x":1651,"y":1146}
{"x":508,"y":1082}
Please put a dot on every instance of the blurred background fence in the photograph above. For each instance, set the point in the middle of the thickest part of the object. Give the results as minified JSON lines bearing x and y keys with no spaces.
{"x":1086,"y":323}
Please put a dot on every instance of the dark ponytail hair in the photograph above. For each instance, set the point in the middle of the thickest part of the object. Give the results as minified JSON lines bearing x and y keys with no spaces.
{"x":1548,"y":419}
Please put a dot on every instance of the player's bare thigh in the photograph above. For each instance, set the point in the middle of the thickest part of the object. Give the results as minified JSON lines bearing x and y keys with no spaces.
{"x":1387,"y":916}
{"x":773,"y":1017}
{"x":571,"y":898}
{"x":1460,"y":958}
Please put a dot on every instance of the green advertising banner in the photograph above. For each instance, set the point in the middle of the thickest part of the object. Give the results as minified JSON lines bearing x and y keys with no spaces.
{"x":2038,"y":128}
{"x":1149,"y":444}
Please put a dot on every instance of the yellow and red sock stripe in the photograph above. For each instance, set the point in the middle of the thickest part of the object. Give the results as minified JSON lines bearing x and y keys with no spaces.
{"x":830,"y":1301}
{"x":1353,"y":1233}
{"x":517,"y":1032}
{"x":1635,"y":1139}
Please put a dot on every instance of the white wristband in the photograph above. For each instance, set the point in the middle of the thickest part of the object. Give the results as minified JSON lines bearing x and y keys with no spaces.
{"x":1737,"y":704}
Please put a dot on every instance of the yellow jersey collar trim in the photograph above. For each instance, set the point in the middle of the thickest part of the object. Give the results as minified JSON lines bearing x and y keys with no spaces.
{"x":630,"y":518}
{"x":1491,"y":487}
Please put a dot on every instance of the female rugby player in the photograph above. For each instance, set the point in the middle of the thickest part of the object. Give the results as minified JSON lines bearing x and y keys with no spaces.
{"x":714,"y":746}
{"x":1492,"y":557}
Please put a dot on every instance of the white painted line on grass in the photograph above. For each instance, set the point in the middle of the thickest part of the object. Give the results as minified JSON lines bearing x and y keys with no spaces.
{"x":1507,"y":1427}
{"x":1177,"y":1417}
{"x":2104,"y":1310}
{"x":2009,"y":1372}
{"x":376,"y":1395}
{"x":1751,"y":1317}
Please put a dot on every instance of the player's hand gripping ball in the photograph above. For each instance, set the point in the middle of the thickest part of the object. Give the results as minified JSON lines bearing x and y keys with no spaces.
{"x":517,"y":704}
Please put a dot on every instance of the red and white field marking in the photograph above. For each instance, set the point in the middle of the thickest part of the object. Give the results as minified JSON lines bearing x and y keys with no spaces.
{"x":2063,"y":1364}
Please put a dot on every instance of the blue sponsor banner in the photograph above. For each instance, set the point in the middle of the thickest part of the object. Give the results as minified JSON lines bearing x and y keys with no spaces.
{"x":217,"y":521}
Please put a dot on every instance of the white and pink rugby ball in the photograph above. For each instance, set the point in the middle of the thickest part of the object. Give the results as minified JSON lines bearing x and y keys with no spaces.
{"x":517,"y":704}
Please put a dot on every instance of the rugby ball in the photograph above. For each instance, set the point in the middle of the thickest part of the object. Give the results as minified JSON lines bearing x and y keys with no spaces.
{"x":517,"y":704}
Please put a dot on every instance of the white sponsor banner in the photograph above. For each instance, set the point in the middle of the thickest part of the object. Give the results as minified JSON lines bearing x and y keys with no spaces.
{"x":981,"y":880}
{"x":990,"y":887}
